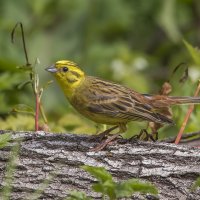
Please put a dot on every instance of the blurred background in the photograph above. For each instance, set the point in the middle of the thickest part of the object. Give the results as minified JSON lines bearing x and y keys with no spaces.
{"x":135,"y":43}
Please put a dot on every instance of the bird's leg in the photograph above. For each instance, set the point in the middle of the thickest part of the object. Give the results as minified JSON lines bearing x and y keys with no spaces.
{"x":122,"y":128}
{"x":142,"y":135}
{"x":100,"y":128}
{"x":154,"y":130}
{"x":154,"y":136}
{"x":106,"y":132}
{"x":145,"y":136}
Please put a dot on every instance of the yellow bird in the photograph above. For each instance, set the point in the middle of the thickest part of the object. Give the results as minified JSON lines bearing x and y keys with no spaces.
{"x":110,"y":103}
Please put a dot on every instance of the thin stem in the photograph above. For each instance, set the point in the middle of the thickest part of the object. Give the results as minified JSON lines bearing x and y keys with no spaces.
{"x":33,"y":77}
{"x":43,"y":113}
{"x":37,"y":103}
{"x":23,"y":40}
{"x":24,"y":47}
{"x":180,"y":133}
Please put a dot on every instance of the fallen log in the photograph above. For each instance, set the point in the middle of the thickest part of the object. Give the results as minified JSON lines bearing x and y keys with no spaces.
{"x":171,"y":168}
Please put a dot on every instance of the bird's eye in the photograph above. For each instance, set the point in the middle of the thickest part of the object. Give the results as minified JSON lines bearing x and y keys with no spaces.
{"x":65,"y":69}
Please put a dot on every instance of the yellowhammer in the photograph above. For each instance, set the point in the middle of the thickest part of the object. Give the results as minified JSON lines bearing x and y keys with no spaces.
{"x":110,"y":103}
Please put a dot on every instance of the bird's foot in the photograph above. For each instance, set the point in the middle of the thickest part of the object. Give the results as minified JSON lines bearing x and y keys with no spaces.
{"x":154,"y":136}
{"x":145,"y":136}
{"x":101,"y":136}
{"x":105,"y":143}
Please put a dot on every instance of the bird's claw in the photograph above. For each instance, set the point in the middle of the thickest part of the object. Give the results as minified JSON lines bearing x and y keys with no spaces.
{"x":145,"y":136}
{"x":105,"y":143}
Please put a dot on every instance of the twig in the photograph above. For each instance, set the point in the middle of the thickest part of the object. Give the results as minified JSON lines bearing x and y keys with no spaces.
{"x":23,"y":40}
{"x":33,"y":76}
{"x":180,"y":133}
{"x":184,"y":136}
{"x":36,"y":112}
{"x":43,"y":113}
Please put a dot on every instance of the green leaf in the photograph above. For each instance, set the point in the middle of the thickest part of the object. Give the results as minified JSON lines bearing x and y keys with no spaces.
{"x":106,"y":188}
{"x":23,"y":84}
{"x":196,"y":184}
{"x":194,"y":52}
{"x":99,"y":187}
{"x":25,"y":68}
{"x":99,"y":173}
{"x":75,"y":195}
{"x":131,"y":186}
{"x":6,"y":190}
{"x":4,"y":139}
{"x":9,"y":80}
{"x":23,"y":108}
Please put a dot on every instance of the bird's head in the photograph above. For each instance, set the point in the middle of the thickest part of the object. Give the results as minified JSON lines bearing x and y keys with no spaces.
{"x":68,"y":74}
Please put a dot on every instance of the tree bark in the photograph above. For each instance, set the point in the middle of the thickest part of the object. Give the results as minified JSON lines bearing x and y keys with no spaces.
{"x":172,"y":168}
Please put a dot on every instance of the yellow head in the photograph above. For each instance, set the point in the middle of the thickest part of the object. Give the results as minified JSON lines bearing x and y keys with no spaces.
{"x":68,"y":74}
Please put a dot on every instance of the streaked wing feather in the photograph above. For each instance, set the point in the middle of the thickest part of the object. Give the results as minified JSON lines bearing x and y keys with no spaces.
{"x":113,"y":100}
{"x":119,"y":109}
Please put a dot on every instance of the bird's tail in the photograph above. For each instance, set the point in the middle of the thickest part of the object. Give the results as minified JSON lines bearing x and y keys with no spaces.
{"x":184,"y":100}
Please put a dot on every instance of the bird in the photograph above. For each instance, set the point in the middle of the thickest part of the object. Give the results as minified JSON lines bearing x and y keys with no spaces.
{"x":106,"y":102}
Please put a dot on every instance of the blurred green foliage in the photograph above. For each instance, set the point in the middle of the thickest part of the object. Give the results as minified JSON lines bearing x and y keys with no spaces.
{"x":135,"y":43}
{"x":6,"y":190}
{"x":196,"y":184}
{"x":117,"y":190}
{"x":4,"y":139}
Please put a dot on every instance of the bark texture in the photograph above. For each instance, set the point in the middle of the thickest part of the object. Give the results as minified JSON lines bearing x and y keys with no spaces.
{"x":173,"y":169}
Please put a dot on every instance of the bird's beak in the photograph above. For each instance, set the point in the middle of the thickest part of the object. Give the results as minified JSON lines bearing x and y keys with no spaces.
{"x":52,"y":69}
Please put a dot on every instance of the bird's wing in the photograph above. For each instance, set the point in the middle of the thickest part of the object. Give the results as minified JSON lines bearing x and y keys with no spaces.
{"x":116,"y":101}
{"x":120,"y":108}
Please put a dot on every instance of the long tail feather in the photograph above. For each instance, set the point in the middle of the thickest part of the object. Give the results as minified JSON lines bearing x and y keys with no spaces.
{"x":184,"y":100}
